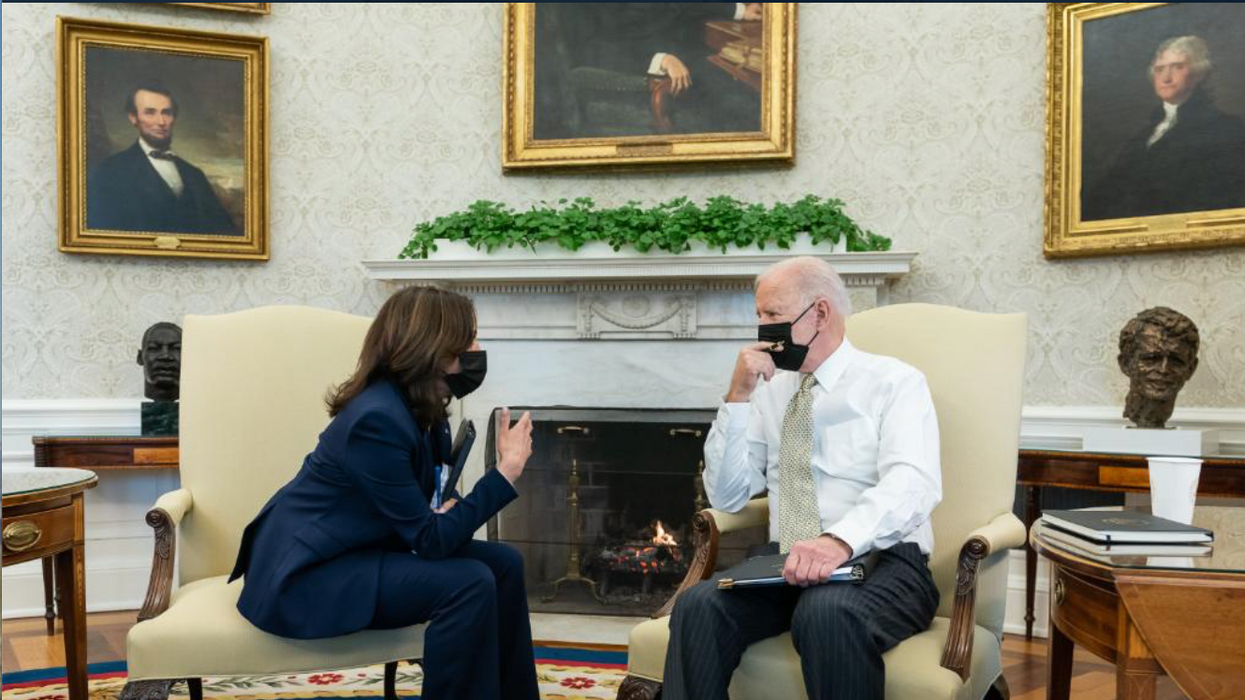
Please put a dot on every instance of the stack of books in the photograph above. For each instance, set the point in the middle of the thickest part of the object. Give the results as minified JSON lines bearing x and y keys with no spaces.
{"x":1125,"y":533}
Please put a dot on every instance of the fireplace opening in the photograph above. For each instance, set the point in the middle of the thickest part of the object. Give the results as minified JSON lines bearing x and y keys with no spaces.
{"x":604,"y":517}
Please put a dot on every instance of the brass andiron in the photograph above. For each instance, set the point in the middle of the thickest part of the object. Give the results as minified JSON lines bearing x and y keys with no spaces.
{"x":701,"y":502}
{"x":572,"y":559}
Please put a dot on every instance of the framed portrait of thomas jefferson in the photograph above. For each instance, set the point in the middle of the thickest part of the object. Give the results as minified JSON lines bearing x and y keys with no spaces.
{"x":648,"y":84}
{"x":1146,"y":128}
{"x":162,"y":140}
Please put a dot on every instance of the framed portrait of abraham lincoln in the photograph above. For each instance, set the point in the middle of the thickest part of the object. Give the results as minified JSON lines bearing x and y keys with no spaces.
{"x":1145,"y":127}
{"x":611,"y":85}
{"x":162,"y":141}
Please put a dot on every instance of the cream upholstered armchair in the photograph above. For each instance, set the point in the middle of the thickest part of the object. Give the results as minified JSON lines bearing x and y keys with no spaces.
{"x":974,"y":364}
{"x":252,"y":386}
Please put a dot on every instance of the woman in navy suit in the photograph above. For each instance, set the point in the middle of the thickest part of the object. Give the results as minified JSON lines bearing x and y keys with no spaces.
{"x":355,"y":541}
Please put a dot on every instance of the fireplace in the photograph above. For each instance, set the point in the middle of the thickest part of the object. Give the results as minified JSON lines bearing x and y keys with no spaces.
{"x":604,"y":522}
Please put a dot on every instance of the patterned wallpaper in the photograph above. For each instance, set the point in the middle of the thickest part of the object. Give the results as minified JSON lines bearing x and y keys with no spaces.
{"x":926,"y":119}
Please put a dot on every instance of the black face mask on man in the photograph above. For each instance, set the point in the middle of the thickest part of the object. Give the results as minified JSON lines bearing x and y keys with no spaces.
{"x":787,"y":355}
{"x":473,"y":366}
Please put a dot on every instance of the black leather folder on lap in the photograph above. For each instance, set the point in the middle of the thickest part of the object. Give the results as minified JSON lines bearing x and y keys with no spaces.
{"x":767,"y":571}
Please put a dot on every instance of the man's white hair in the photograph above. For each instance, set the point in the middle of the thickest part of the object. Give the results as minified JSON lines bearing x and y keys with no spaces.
{"x":1193,"y":47}
{"x":813,"y":278}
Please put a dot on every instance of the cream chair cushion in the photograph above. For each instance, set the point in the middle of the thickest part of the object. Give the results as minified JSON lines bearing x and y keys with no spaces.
{"x":974,"y":364}
{"x":202,"y":634}
{"x":252,"y":387}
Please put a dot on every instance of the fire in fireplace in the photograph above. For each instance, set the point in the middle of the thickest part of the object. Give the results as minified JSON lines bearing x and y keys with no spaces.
{"x":605,"y":517}
{"x":657,"y":558}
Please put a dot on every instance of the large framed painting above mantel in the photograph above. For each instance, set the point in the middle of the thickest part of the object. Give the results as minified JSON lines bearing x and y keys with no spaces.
{"x":610,"y":85}
{"x":1146,"y":127}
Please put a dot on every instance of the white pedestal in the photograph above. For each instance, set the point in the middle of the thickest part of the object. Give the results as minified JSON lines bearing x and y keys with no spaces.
{"x":1172,"y":442}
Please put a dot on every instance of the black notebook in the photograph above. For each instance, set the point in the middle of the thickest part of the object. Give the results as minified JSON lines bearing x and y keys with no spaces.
{"x":1081,"y":545}
{"x":463,"y":440}
{"x":767,"y":571}
{"x":1115,"y":526}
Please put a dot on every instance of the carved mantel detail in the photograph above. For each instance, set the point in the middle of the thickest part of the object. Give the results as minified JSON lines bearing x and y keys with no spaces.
{"x":608,"y":295}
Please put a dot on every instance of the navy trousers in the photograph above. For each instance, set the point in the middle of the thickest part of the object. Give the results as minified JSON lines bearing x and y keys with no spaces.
{"x":840,"y":630}
{"x":478,"y":645}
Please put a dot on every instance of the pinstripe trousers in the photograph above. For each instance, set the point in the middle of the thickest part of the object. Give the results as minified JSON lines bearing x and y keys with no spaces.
{"x":840,"y":630}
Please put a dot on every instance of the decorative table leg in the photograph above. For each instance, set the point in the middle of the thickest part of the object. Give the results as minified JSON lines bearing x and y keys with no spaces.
{"x":1033,"y":510}
{"x":71,"y":572}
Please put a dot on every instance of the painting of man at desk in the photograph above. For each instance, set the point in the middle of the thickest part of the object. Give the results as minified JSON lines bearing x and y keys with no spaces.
{"x":607,"y":70}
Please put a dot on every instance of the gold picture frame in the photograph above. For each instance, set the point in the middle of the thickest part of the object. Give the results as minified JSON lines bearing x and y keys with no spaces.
{"x":254,"y":8}
{"x":582,"y":93}
{"x":1124,"y":173}
{"x":162,"y":141}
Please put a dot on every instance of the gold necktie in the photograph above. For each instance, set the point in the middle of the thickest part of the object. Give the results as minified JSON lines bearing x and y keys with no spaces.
{"x":798,"y":516}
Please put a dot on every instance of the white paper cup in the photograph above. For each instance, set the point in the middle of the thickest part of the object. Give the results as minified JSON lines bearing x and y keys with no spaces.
{"x":1173,"y":487}
{"x":1170,"y":562}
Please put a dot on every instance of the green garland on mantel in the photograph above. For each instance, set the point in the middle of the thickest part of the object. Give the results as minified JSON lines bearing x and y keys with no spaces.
{"x":721,"y":223}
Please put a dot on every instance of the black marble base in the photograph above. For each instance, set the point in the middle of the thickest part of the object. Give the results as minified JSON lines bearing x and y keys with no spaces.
{"x":159,"y":417}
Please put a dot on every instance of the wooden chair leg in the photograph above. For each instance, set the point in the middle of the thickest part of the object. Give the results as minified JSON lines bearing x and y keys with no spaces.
{"x":391,"y":680}
{"x":634,"y":688}
{"x":49,"y":594}
{"x":195,"y":685}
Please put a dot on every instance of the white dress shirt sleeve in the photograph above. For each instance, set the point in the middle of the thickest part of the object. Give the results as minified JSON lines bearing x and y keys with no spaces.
{"x":654,"y":66}
{"x":735,"y":456}
{"x":909,"y":470}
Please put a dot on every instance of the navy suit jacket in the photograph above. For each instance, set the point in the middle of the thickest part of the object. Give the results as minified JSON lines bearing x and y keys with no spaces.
{"x":312,"y":557}
{"x":125,"y":193}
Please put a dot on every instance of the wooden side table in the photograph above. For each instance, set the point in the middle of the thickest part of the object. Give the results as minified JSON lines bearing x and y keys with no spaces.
{"x":1073,"y":469}
{"x":97,"y":452}
{"x":43,"y":517}
{"x":1183,"y":616}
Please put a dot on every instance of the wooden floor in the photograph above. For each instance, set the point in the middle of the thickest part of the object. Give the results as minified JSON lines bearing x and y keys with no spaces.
{"x":26,"y":646}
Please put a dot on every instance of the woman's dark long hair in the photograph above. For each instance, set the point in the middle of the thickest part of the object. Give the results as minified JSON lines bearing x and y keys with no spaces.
{"x":417,"y":331}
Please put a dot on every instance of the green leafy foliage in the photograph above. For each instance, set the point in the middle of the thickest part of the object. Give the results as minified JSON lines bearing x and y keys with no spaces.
{"x":723,"y":222}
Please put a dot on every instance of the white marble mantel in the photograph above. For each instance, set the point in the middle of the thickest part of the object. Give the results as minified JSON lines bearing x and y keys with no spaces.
{"x":597,"y":293}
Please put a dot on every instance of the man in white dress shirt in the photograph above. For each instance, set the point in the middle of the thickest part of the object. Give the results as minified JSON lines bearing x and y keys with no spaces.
{"x":846,"y":445}
{"x":149,"y":188}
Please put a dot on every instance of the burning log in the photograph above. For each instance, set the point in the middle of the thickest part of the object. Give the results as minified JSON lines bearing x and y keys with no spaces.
{"x":657,"y":555}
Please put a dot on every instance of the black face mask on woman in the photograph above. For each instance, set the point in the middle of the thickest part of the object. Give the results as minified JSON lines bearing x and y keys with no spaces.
{"x":473,"y":365}
{"x":790,"y":356}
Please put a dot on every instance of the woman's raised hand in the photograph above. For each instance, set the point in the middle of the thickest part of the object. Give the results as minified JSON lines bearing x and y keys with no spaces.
{"x":514,"y":444}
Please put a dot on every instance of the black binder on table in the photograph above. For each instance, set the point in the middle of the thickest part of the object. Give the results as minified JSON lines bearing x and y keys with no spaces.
{"x":1124,"y":526}
{"x":767,"y":571}
{"x":463,"y":440}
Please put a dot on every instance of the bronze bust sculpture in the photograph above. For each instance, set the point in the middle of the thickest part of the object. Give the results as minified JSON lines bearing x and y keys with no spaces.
{"x":161,"y":358}
{"x":1158,"y":354}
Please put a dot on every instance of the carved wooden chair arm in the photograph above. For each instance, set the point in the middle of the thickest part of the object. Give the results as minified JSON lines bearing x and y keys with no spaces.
{"x":1003,"y":533}
{"x":707,"y":528}
{"x":163,"y":518}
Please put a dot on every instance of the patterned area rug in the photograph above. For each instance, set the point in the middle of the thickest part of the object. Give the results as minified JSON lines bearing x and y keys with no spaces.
{"x":565,"y":672}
